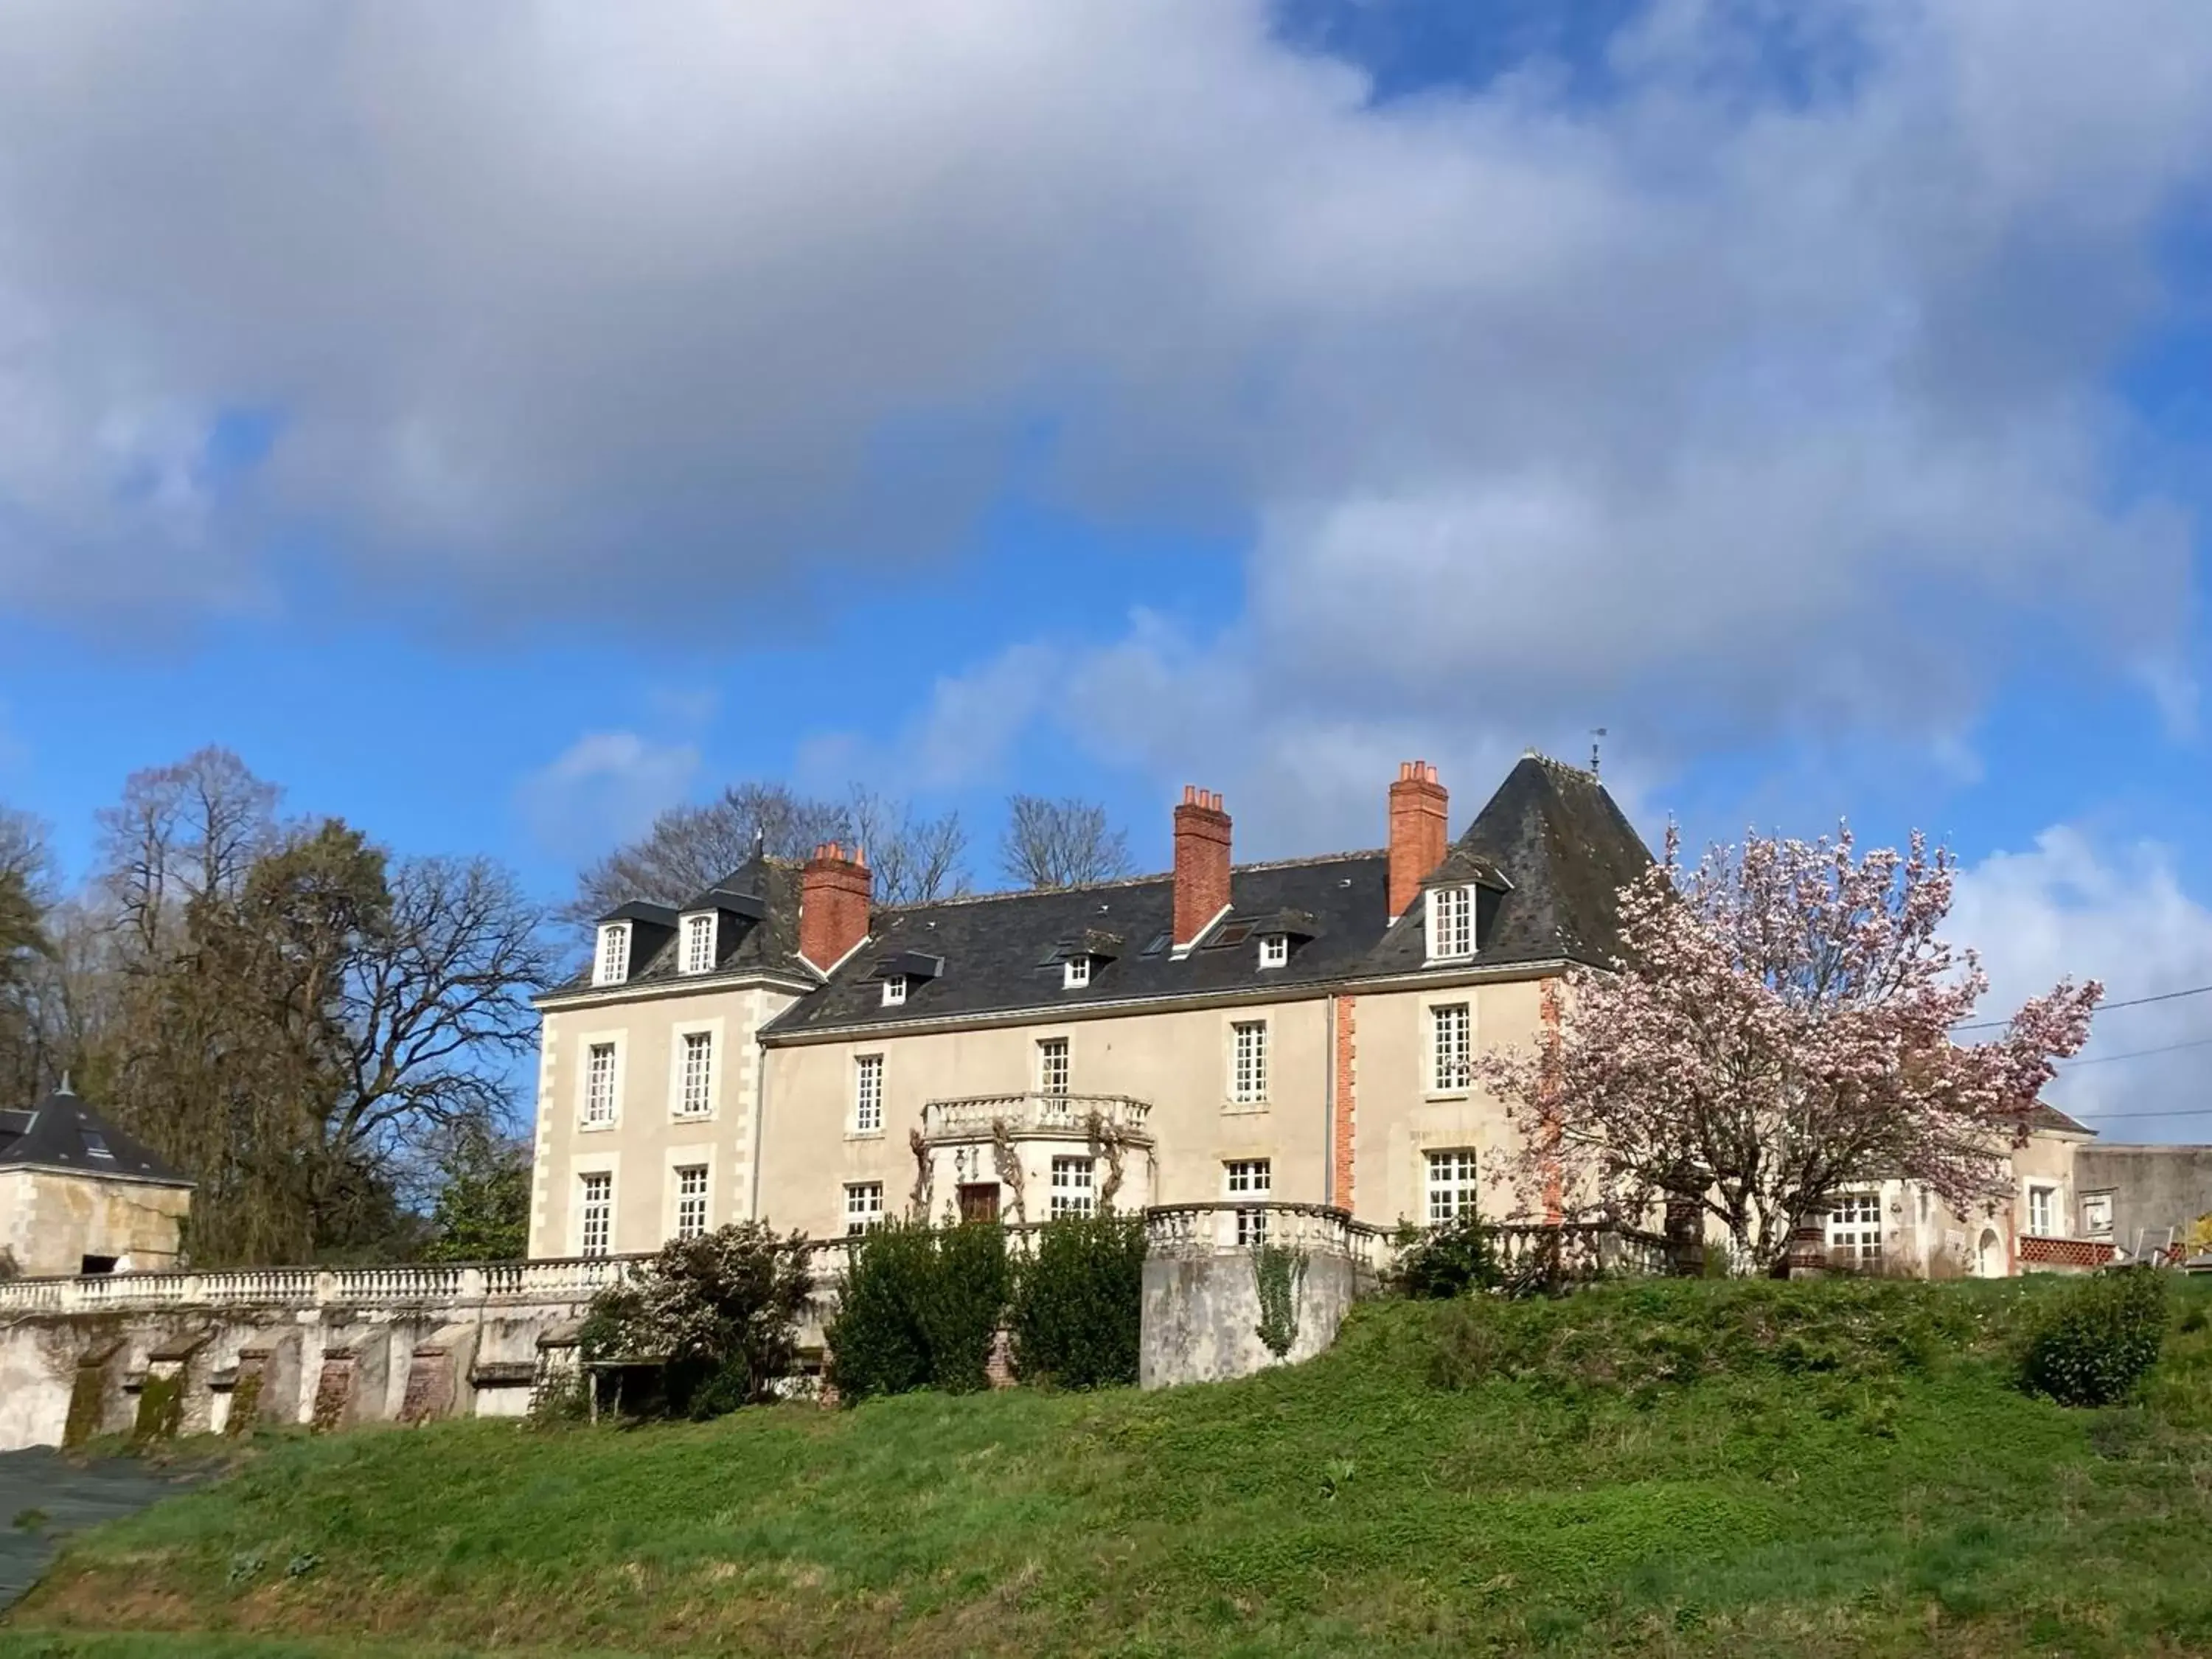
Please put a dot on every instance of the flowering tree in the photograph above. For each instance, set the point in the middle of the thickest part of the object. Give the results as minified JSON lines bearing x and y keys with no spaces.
{"x":1780,"y":1024}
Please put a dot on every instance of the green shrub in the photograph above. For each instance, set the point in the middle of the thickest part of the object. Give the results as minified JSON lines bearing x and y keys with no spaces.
{"x":919,"y":1309}
{"x":719,"y":1313}
{"x":1453,"y":1259}
{"x":2100,"y":1341}
{"x":1080,"y":1302}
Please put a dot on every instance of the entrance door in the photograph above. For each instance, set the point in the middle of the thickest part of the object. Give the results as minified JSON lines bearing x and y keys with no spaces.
{"x":979,"y":1200}
{"x":1988,"y":1255}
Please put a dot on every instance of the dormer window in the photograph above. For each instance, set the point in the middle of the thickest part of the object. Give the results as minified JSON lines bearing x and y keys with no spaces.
{"x":1274,"y":949}
{"x":1451,"y":923}
{"x":1076,"y":974}
{"x":895,"y":991}
{"x":614,"y":954}
{"x":699,"y":944}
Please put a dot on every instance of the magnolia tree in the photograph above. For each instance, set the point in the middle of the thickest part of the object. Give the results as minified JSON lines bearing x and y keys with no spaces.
{"x":1783,"y":1021}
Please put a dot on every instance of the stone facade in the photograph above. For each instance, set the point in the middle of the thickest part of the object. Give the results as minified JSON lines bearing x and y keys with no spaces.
{"x":55,"y":1223}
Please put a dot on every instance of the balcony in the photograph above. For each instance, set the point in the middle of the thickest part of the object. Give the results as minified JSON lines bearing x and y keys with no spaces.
{"x":1032,"y":1114}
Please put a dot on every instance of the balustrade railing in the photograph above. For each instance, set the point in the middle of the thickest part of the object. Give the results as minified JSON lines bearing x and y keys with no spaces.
{"x":1031,"y":1112}
{"x":574,"y":1279}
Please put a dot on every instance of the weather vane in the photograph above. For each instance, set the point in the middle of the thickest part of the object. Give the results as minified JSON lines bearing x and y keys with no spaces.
{"x":1597,"y":733}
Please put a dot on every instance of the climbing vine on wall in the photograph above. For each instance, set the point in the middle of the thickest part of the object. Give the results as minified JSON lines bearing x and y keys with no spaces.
{"x":1111,"y":1142}
{"x":1279,"y":1273}
{"x":1009,"y":1162}
{"x":919,"y":1209}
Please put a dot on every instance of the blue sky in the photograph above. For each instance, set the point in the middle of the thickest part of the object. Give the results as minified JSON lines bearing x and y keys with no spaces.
{"x":1106,"y":397}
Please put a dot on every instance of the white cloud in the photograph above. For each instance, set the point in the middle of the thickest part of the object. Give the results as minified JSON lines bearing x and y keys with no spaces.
{"x":1732,"y":401}
{"x":604,"y":788}
{"x":2071,"y":908}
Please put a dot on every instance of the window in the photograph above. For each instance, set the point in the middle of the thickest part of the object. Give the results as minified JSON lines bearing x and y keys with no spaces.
{"x":1248,"y":1076}
{"x":2097,"y":1215}
{"x":1077,"y":975}
{"x":691,"y":1200}
{"x":868,"y":1094}
{"x":2043,"y":1212}
{"x":698,"y":944}
{"x":697,"y":1098}
{"x":1855,"y":1228}
{"x":895,"y":991}
{"x":599,"y":1214}
{"x":599,"y":1084}
{"x":1451,"y":1186}
{"x":1274,"y":949}
{"x":1452,"y":923}
{"x":1052,"y":1065}
{"x":1070,"y":1185}
{"x":614,"y":954}
{"x":95,"y":1143}
{"x":1451,"y":1059}
{"x":864,"y":1206}
{"x":1251,"y":1179}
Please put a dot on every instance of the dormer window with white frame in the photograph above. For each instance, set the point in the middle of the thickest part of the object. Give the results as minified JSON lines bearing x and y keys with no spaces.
{"x":1274,"y":949}
{"x":895,"y":991}
{"x":1076,"y":974}
{"x":699,"y":944}
{"x":1451,"y":923}
{"x":612,"y":966}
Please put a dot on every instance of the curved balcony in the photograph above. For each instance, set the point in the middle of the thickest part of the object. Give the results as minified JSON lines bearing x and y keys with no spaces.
{"x":973,"y":1117}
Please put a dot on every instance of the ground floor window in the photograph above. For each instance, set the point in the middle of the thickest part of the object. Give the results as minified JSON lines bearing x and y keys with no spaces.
{"x":1070,"y":1185}
{"x":2043,"y":1212}
{"x":864,"y":1206}
{"x":1251,"y":1179}
{"x":690,"y":1200}
{"x":1451,"y":1186}
{"x":2097,"y":1215}
{"x":599,"y":1214}
{"x":1855,"y":1228}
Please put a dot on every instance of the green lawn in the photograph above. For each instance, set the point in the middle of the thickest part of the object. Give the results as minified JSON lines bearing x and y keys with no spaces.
{"x":1681,"y":1468}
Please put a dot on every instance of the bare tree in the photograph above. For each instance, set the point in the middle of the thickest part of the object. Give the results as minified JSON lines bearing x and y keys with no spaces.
{"x":1061,"y":843}
{"x":181,"y":833}
{"x":914,"y":859}
{"x":690,"y":848}
{"x":27,"y":851}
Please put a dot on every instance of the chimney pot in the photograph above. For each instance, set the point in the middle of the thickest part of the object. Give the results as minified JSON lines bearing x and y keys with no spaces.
{"x":1201,"y":862}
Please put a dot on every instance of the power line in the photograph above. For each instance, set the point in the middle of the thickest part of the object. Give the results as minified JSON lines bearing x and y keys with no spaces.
{"x":2136,"y":1053}
{"x":2102,"y":1007}
{"x":2113,"y":1117}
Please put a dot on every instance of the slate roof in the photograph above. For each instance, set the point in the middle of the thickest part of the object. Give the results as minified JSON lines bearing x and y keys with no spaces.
{"x":767,"y":943}
{"x":1548,"y":852}
{"x":62,"y":1133}
{"x":2041,"y":1116}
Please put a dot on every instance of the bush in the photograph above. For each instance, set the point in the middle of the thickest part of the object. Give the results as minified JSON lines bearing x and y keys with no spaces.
{"x":718,"y":1314}
{"x":919,"y":1308}
{"x":2098,"y":1342}
{"x":1080,"y":1302}
{"x":1452,"y":1259}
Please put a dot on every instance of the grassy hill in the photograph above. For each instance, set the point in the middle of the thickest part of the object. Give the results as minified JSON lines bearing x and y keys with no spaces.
{"x":1678,"y":1468}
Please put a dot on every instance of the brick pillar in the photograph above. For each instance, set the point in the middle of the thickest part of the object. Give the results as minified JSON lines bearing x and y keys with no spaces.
{"x":1201,"y":862}
{"x":1346,"y":1127}
{"x":1418,"y":817}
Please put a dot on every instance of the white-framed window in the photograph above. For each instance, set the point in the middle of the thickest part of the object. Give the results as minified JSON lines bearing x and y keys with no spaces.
{"x":1451,"y":1048}
{"x":613,"y":965}
{"x":1076,"y":974}
{"x":1855,"y":1228}
{"x":868,"y":1094}
{"x":598,"y":1225}
{"x":600,"y":1083}
{"x":2097,"y":1215}
{"x":1451,"y":1185}
{"x":696,"y":1096}
{"x":1274,"y":949}
{"x":1248,"y":1062}
{"x":699,"y":944}
{"x":691,"y":1200}
{"x":2043,"y":1212}
{"x":1451,"y":923}
{"x":1251,"y":1179}
{"x":1071,"y":1191}
{"x":895,"y":991}
{"x":1052,"y":1070}
{"x":864,"y":1206}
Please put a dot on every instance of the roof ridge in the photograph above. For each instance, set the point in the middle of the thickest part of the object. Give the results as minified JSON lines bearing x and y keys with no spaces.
{"x":1122,"y":882}
{"x":1581,"y":774}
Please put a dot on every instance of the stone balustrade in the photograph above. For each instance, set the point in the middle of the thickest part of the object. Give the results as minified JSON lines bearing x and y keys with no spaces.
{"x":427,"y":1285}
{"x":974,"y":1117}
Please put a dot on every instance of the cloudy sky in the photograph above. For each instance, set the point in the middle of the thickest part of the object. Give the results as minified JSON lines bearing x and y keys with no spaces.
{"x":499,"y":421}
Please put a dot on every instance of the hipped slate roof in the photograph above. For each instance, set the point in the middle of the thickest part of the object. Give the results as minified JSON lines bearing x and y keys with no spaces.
{"x":766,"y":944}
{"x":1549,"y":851}
{"x":62,"y":1133}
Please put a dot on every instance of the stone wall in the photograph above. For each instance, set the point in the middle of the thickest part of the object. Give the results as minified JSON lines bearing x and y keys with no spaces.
{"x":2157,"y":1191}
{"x":50,"y":1222}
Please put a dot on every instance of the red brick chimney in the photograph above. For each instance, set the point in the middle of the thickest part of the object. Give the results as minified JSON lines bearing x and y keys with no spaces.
{"x":1201,"y":863}
{"x":834,"y":898}
{"x":1418,"y":835}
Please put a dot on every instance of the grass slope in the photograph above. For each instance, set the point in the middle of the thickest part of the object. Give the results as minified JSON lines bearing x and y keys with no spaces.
{"x":1665,"y":1468}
